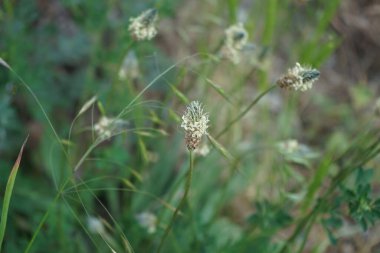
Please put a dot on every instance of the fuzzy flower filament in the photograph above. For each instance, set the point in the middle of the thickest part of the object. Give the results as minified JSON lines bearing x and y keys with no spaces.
{"x":143,"y":26}
{"x":299,"y":78}
{"x":195,"y":123}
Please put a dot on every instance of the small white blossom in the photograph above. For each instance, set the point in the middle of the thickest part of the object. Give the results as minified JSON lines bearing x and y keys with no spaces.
{"x":203,"y":150}
{"x":195,"y":123}
{"x":95,"y":225}
{"x":106,"y":127}
{"x":143,"y":26}
{"x":299,"y":78}
{"x":129,"y":67}
{"x":296,"y":152}
{"x":288,"y":146}
{"x":148,"y":221}
{"x":236,"y":38}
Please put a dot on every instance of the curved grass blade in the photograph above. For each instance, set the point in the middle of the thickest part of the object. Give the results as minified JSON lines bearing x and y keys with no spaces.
{"x":219,"y":90}
{"x":222,"y":150}
{"x":179,"y":94}
{"x":8,"y":193}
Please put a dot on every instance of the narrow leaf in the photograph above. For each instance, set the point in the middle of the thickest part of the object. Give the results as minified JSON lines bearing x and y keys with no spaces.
{"x":129,"y":184}
{"x":179,"y":94}
{"x":8,"y":193}
{"x":101,"y":108}
{"x":220,"y":148}
{"x":2,"y":62}
{"x":219,"y":90}
{"x":316,"y":182}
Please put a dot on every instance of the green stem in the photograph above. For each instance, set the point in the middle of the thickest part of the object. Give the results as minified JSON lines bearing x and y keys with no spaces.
{"x":245,"y":111}
{"x":303,"y":222}
{"x":183,"y":200}
{"x":306,"y":235}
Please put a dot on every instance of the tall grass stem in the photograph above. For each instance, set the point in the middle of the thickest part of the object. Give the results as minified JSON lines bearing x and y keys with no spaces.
{"x":245,"y":111}
{"x":181,"y":203}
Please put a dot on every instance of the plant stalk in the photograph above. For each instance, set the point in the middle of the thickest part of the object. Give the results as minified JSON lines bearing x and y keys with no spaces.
{"x":245,"y":111}
{"x":181,"y":203}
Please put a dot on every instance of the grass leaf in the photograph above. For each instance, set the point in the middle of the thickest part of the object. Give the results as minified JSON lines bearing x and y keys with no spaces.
{"x":2,"y":62}
{"x":8,"y":193}
{"x":220,"y":148}
{"x":179,"y":94}
{"x":219,"y":90}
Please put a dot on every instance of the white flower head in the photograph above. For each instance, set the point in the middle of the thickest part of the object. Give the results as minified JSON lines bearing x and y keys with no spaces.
{"x":129,"y":67}
{"x":195,"y":122}
{"x":95,"y":225}
{"x":288,"y":146}
{"x":143,"y":26}
{"x":106,"y":127}
{"x":203,"y":150}
{"x":148,"y":221}
{"x":296,"y":152}
{"x":236,"y":38}
{"x":299,"y":78}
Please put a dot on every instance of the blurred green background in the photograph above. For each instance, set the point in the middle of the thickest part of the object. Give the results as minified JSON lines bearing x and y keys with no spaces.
{"x":122,"y":194}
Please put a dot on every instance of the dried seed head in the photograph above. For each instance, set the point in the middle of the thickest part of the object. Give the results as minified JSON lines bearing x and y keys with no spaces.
{"x":236,"y":38}
{"x":299,"y":78}
{"x":142,"y":27}
{"x":195,"y":123}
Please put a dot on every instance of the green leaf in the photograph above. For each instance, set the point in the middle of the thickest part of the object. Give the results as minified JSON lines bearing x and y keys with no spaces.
{"x":8,"y":193}
{"x":101,"y":108}
{"x":270,"y":22}
{"x":2,"y":62}
{"x":179,"y":94}
{"x":219,"y":90}
{"x":220,"y":148}
{"x":316,"y":182}
{"x":143,"y":150}
{"x":364,"y":176}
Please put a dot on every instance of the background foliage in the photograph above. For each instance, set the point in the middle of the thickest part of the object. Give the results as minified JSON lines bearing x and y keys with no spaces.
{"x":254,"y":196}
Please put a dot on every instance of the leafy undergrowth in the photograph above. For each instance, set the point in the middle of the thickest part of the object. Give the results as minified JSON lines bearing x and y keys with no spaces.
{"x":107,"y":165}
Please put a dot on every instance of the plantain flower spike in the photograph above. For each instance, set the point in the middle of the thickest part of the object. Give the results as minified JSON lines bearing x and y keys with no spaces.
{"x":195,"y":122}
{"x":236,"y":38}
{"x":143,"y":26}
{"x":299,"y":78}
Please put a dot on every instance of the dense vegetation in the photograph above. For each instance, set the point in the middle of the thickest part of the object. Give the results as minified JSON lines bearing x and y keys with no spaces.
{"x":283,"y":157}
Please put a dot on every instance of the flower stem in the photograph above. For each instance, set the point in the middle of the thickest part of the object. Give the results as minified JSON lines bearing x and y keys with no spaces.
{"x":244,"y":112}
{"x":183,"y":201}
